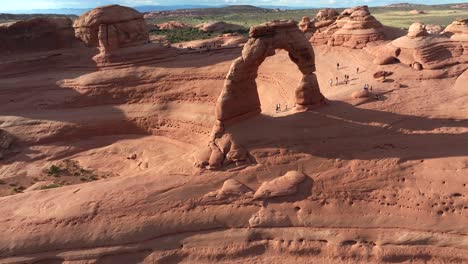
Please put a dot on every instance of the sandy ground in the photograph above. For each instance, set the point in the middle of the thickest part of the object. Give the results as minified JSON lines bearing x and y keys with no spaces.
{"x":386,"y":179}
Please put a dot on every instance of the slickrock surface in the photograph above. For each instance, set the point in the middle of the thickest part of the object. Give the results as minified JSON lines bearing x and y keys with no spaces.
{"x":384,"y":180}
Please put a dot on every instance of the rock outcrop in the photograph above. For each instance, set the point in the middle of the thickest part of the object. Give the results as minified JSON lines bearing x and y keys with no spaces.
{"x":219,"y":26}
{"x":6,"y":141}
{"x":111,"y":28}
{"x":281,"y":186}
{"x":231,"y":188}
{"x":172,"y":25}
{"x":37,"y":34}
{"x":421,"y":50}
{"x":239,"y":97}
{"x":458,"y":30}
{"x":417,"y":12}
{"x":353,"y":28}
{"x":358,"y":28}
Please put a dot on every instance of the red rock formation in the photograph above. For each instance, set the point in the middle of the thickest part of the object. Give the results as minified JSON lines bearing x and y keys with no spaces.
{"x":239,"y":97}
{"x":358,"y":28}
{"x":218,"y":26}
{"x":37,"y":34}
{"x":125,"y":23}
{"x":353,"y":28}
{"x":171,"y":25}
{"x":112,"y":28}
{"x":240,"y":81}
{"x":458,"y":30}
{"x":421,"y":50}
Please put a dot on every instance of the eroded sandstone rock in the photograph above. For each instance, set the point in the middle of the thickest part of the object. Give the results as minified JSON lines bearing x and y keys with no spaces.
{"x":269,"y":218}
{"x":240,"y":96}
{"x":353,"y":28}
{"x":129,"y":26}
{"x":37,"y":34}
{"x":230,"y":188}
{"x":458,"y":30}
{"x":219,"y":26}
{"x":282,"y":186}
{"x":111,"y":28}
{"x":421,"y":50}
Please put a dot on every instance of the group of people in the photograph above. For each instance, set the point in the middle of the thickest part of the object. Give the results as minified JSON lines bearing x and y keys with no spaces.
{"x":278,"y":107}
{"x":346,"y":80}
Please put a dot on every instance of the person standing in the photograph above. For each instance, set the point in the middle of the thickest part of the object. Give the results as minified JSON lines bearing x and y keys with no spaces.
{"x":357,"y":70}
{"x":338,"y":66}
{"x":330,"y":82}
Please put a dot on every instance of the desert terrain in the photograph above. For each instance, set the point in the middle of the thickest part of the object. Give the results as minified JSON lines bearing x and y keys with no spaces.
{"x":104,"y":140}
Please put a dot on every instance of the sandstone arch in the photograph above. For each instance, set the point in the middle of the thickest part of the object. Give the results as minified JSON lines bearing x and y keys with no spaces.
{"x":240,"y":97}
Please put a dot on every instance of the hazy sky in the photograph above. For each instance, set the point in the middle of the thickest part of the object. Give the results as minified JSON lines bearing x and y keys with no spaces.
{"x":46,"y":4}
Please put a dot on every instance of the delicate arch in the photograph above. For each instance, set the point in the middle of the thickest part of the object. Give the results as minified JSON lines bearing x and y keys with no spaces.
{"x":240,"y":96}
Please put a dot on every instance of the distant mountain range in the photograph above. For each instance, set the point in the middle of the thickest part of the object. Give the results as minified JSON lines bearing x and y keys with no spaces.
{"x":156,"y":8}
{"x":143,"y":9}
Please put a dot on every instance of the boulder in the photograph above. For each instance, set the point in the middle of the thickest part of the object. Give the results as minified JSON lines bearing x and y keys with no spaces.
{"x":434,"y":29}
{"x":281,"y":186}
{"x":384,"y":60}
{"x":360,"y":94}
{"x":37,"y":34}
{"x":231,"y":188}
{"x":416,"y":30}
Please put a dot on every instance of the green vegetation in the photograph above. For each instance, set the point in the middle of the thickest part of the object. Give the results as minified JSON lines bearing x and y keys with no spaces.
{"x":402,"y":19}
{"x":53,"y":170}
{"x":394,"y":17}
{"x":50,"y":186}
{"x":18,"y":189}
{"x":189,"y":34}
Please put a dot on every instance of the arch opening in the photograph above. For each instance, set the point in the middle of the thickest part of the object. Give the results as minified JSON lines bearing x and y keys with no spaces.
{"x":240,"y":97}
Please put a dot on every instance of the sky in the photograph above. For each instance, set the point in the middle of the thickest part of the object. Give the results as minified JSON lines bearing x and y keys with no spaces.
{"x":6,"y":5}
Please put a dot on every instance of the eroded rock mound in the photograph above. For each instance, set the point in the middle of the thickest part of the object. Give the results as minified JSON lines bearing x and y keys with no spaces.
{"x":219,"y":26}
{"x":123,"y":26}
{"x":353,"y":28}
{"x":417,"y":12}
{"x":112,"y":28}
{"x":37,"y":34}
{"x":282,"y":186}
{"x":269,"y":218}
{"x":421,"y":50}
{"x":231,"y":188}
{"x":458,"y":30}
{"x":172,"y":25}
